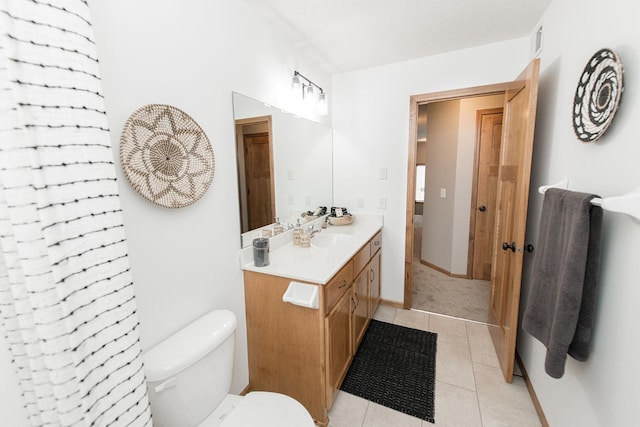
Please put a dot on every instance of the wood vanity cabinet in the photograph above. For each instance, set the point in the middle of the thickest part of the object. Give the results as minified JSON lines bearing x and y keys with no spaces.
{"x":302,"y":352}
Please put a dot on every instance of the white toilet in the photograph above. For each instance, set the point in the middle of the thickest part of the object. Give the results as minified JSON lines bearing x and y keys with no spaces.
{"x":189,"y":377}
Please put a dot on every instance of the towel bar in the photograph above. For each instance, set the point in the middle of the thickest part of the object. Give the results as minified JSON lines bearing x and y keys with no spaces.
{"x":628,"y":204}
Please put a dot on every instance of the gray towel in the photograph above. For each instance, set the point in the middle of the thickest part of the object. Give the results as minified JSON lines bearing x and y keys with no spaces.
{"x":561,"y":304}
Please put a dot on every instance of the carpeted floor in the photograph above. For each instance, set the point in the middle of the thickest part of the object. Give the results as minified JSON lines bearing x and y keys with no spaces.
{"x":395,"y":367}
{"x":436,"y":292}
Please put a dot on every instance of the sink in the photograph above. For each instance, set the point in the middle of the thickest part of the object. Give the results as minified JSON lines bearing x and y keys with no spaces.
{"x":329,"y":239}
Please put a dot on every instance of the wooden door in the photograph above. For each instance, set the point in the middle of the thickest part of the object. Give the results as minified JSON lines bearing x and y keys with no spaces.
{"x":489,"y":131}
{"x":257,"y":151}
{"x":511,"y":216}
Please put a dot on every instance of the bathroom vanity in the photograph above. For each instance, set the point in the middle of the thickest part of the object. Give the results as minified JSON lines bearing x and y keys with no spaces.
{"x":301,"y":350}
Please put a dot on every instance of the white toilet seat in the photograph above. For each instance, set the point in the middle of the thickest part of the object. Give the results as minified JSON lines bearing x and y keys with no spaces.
{"x":267,"y":409}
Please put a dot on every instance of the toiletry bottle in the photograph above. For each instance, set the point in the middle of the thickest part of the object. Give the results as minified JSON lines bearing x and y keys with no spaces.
{"x":278,"y":228}
{"x":297,"y":233}
{"x":305,"y":238}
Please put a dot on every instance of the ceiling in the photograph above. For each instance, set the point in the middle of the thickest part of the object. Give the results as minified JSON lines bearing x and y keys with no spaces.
{"x":347,"y":35}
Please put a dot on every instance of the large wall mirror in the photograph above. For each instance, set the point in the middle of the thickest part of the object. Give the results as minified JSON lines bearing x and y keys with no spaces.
{"x":285,"y":165}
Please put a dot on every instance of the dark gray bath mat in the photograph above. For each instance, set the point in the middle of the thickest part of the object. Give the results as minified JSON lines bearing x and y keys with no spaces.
{"x":395,"y":367}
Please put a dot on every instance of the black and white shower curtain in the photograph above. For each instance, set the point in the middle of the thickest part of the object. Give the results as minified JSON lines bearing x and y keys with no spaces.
{"x":67,"y":302}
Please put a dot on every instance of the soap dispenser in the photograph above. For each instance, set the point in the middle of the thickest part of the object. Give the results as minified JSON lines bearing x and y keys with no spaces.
{"x":278,"y":228}
{"x":297,"y":233}
{"x":305,"y":237}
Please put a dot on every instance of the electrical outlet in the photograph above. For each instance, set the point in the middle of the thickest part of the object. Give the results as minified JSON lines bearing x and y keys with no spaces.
{"x":382,"y":203}
{"x":383,"y":173}
{"x":290,"y":200}
{"x":443,"y":193}
{"x":361,"y":201}
{"x":307,"y":200}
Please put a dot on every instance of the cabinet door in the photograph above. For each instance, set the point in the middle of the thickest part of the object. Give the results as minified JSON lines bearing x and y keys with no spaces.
{"x":374,"y":282}
{"x":361,"y":311}
{"x":338,"y":344}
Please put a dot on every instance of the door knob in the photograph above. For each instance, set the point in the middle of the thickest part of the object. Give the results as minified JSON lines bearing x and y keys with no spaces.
{"x":529,"y":248}
{"x":482,"y":208}
{"x":506,"y":246}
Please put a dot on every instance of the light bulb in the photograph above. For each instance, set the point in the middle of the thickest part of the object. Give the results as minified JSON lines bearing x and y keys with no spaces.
{"x":323,"y":107}
{"x":309,"y":92}
{"x":296,"y":84}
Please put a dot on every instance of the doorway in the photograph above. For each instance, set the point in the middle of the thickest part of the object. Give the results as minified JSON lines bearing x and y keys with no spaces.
{"x":254,"y":148}
{"x":514,"y":169}
{"x":452,"y":227}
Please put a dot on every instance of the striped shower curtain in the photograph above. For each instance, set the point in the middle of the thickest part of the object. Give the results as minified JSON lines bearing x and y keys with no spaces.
{"x":67,"y":304}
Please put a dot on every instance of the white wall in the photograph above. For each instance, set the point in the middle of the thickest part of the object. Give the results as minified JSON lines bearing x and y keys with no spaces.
{"x":371,"y":124}
{"x":185,"y":262}
{"x":443,"y":119}
{"x":604,"y":390}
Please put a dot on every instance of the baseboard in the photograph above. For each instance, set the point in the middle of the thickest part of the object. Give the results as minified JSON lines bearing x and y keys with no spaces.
{"x":443,"y":271}
{"x":532,"y":392}
{"x":394,"y":304}
{"x":246,"y":390}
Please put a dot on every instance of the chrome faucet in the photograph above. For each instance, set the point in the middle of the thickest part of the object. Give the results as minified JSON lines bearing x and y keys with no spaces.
{"x":311,"y":231}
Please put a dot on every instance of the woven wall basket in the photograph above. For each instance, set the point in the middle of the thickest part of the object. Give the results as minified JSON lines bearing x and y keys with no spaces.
{"x":597,"y":95}
{"x":166,"y":156}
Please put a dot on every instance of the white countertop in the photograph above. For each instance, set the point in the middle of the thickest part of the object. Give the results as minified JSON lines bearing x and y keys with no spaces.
{"x":317,"y":264}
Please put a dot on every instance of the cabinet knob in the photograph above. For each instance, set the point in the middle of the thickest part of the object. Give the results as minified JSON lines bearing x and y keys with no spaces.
{"x":482,"y":208}
{"x":344,"y":283}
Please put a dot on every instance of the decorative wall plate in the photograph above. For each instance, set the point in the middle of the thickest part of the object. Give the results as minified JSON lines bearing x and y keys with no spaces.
{"x":597,"y":95}
{"x":166,"y":156}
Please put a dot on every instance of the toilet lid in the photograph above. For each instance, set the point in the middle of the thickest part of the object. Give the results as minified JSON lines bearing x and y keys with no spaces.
{"x":267,"y":409}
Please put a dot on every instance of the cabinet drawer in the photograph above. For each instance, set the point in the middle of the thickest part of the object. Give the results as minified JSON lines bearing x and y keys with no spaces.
{"x":338,"y":286}
{"x":376,"y":243}
{"x":361,"y":259}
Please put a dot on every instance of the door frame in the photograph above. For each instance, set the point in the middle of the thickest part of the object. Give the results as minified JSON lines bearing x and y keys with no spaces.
{"x":414,"y":101}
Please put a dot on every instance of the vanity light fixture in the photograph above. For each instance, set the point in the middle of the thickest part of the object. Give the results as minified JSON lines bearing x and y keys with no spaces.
{"x":311,"y":93}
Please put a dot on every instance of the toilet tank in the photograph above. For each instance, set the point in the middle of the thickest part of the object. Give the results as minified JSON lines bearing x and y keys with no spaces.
{"x":189,"y":373}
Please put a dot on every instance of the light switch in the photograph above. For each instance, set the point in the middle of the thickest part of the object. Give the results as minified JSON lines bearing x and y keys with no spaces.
{"x":382,"y":203}
{"x":383,"y":173}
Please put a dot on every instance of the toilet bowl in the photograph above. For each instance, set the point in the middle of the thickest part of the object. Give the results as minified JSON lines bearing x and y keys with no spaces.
{"x":189,"y":378}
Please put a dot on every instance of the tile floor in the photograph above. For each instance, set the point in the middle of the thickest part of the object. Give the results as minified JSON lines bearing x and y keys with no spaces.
{"x":470,"y":390}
